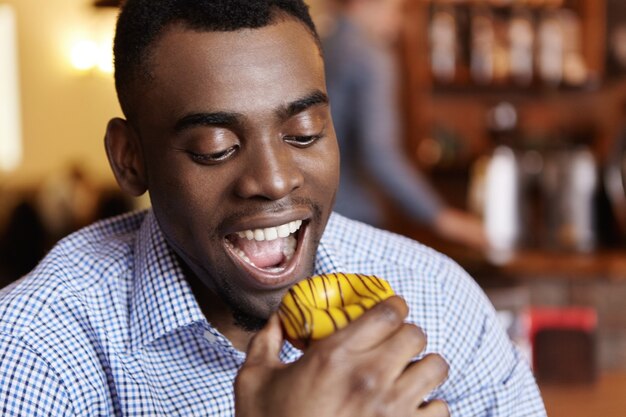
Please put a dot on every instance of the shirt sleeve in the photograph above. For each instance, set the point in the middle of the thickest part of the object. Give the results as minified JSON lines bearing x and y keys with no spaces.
{"x":488,"y":376}
{"x":380,"y":131}
{"x":28,"y":385}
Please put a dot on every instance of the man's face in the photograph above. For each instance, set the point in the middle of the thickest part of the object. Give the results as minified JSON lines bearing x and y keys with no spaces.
{"x":239,"y":148}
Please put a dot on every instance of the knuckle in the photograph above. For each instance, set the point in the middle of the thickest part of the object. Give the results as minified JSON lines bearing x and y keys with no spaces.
{"x":327,"y":358}
{"x":386,"y":312}
{"x":363,"y":382}
{"x":415,"y":334}
{"x":437,"y":366}
{"x":392,"y":310}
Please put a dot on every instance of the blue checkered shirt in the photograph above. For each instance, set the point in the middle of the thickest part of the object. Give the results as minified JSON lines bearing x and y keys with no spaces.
{"x":107,"y":325}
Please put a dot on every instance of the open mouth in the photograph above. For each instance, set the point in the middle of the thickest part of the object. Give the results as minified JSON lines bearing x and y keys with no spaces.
{"x":268,"y":250}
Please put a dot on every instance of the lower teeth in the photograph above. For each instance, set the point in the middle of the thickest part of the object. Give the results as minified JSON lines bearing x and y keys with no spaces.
{"x":288,"y":252}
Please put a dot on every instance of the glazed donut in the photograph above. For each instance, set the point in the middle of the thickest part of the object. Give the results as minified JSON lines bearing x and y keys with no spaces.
{"x":317,"y":306}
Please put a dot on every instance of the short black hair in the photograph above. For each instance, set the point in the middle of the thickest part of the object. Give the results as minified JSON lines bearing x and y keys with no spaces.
{"x":141,"y":22}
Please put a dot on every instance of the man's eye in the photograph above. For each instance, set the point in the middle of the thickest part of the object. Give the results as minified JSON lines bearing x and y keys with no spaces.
{"x":302,"y":141}
{"x":213,"y":158}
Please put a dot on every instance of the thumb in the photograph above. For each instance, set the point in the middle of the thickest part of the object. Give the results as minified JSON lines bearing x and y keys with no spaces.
{"x":266,"y":344}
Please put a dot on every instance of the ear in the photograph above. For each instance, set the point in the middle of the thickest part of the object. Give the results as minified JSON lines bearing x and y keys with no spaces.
{"x":125,"y":157}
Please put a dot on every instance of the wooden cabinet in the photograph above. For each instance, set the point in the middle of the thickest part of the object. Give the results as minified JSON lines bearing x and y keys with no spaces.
{"x":449,"y":123}
{"x":453,"y":122}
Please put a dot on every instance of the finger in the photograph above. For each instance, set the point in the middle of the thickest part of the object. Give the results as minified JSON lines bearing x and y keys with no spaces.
{"x":435,"y":408}
{"x":422,"y":377}
{"x":397,"y":351}
{"x":374,"y":326}
{"x":266,"y":344}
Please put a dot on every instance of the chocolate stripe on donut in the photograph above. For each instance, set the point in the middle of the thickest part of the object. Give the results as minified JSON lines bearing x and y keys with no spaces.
{"x":297,"y":323}
{"x":375,"y":282}
{"x":360,"y":294}
{"x":312,"y":290}
{"x":303,"y":309}
{"x":324,"y":277}
{"x":332,"y":319}
{"x":292,"y":321}
{"x":342,"y":298}
{"x":343,"y":303}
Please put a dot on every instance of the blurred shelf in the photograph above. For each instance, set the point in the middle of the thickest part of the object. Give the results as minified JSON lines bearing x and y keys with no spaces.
{"x":609,"y":265}
{"x":531,"y":265}
{"x":500,"y":3}
{"x":535,"y":90}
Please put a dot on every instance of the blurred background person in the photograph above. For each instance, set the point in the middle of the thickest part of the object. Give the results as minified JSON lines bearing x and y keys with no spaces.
{"x":65,"y":201}
{"x":23,"y":241}
{"x":68,"y":200}
{"x":363,"y":84}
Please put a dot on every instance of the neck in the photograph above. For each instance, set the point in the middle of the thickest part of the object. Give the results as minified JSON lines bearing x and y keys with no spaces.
{"x":223,"y":321}
{"x":216,"y":312}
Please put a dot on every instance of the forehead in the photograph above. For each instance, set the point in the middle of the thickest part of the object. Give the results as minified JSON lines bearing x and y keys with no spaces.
{"x":244,"y":70}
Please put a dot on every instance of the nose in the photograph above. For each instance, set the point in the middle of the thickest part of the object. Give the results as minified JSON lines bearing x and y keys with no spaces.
{"x":270,"y":172}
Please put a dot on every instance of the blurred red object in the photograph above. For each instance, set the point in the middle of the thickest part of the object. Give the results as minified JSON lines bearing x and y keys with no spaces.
{"x":563,"y":343}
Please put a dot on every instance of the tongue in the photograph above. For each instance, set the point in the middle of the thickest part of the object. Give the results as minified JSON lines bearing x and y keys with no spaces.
{"x":263,"y":254}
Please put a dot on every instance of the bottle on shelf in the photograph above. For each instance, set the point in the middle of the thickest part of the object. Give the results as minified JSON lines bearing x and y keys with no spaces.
{"x":521,"y":46}
{"x":483,"y":45}
{"x":574,"y":68}
{"x":550,"y":44}
{"x":507,"y":42}
{"x":443,"y":44}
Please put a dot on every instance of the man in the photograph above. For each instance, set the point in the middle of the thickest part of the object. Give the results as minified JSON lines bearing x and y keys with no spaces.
{"x":228,"y":126}
{"x":363,"y":86}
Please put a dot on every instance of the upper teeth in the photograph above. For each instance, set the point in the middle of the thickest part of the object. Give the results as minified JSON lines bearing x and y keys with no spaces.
{"x":271,"y":233}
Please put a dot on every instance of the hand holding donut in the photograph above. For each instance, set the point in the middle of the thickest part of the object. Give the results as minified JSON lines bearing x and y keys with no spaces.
{"x":365,"y":369}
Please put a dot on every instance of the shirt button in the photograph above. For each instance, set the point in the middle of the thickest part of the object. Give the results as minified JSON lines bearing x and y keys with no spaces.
{"x":210,"y":337}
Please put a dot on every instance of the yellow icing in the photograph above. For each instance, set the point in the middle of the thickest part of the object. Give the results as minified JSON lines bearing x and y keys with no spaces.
{"x":316,"y":307}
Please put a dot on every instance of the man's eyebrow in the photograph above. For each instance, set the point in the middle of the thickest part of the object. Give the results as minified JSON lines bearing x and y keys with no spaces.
{"x":301,"y":104}
{"x":206,"y":119}
{"x":229,"y":119}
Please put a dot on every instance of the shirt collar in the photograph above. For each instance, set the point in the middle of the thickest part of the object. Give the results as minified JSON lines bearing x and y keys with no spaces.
{"x":328,"y":258}
{"x":162,"y":300}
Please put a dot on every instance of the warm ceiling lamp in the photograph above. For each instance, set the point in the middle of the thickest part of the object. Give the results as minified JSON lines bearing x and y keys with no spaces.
{"x":93,"y":52}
